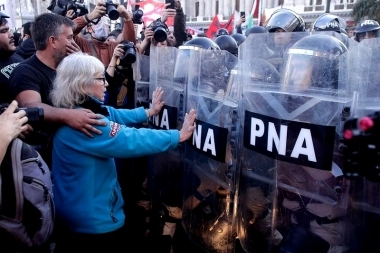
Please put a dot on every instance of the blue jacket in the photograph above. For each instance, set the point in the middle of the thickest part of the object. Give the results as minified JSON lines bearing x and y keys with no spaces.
{"x":86,"y":192}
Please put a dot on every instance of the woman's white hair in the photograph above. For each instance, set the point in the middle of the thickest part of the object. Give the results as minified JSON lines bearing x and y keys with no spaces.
{"x":74,"y":74}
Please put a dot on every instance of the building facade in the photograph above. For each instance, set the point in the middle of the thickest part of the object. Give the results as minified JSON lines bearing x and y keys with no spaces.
{"x":199,"y":13}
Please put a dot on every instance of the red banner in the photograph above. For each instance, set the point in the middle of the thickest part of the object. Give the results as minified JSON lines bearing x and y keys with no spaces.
{"x":216,"y":25}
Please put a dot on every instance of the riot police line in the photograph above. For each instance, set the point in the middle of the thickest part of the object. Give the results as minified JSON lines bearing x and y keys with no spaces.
{"x":268,"y":163}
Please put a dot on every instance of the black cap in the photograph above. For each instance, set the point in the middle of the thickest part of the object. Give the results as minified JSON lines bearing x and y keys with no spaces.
{"x":2,"y":15}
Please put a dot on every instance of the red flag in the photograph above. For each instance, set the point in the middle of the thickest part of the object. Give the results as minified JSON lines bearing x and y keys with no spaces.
{"x":214,"y":27}
{"x":229,"y":26}
{"x":152,"y":10}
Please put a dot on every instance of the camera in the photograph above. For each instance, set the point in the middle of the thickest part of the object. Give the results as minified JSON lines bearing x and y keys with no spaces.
{"x":129,"y":56}
{"x":137,"y":16}
{"x":361,"y":147}
{"x":160,"y":30}
{"x":112,"y":12}
{"x":63,"y":6}
{"x":34,"y":114}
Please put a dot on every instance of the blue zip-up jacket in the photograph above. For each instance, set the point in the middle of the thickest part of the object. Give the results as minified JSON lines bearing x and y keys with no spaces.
{"x":87,"y":195}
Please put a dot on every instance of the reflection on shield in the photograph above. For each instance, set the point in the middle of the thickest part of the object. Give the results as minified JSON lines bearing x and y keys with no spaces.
{"x":141,"y":75}
{"x":166,"y":169}
{"x":210,"y":155}
{"x":293,"y":197}
{"x":364,"y":80}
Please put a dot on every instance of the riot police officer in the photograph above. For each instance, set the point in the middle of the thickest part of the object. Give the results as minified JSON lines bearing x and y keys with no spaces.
{"x":222,"y":31}
{"x":240,"y":38}
{"x":283,"y":24}
{"x":228,"y":43}
{"x":333,"y":25}
{"x":366,"y":30}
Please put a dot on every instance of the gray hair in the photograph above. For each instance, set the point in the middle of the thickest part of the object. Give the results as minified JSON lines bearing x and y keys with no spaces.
{"x":74,"y":74}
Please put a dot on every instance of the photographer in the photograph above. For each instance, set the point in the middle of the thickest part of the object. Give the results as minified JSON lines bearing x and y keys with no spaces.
{"x":175,"y":39}
{"x":98,"y":45}
{"x":11,"y":125}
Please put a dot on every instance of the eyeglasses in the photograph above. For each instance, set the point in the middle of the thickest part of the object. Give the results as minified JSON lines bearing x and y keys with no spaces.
{"x":102,"y":79}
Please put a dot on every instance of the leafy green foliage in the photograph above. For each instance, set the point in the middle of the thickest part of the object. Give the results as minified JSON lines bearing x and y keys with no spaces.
{"x":366,"y":9}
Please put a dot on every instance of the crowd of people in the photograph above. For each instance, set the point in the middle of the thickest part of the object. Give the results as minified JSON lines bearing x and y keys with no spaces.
{"x":81,"y":74}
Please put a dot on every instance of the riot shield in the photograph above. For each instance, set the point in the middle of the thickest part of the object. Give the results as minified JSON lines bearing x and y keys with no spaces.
{"x":210,"y":155}
{"x":361,"y":139}
{"x":166,"y":169}
{"x":350,"y":43}
{"x":141,"y":70}
{"x":292,"y":194}
{"x":278,"y":42}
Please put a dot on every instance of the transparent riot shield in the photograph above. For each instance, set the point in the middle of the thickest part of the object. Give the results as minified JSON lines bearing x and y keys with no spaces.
{"x":166,"y":169}
{"x":141,"y":71}
{"x":210,"y":156}
{"x":277,"y":42}
{"x":361,"y":139}
{"x":292,"y":193}
{"x":350,"y":43}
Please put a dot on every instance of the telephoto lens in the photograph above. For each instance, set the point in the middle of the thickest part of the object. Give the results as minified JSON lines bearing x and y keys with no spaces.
{"x":112,"y":12}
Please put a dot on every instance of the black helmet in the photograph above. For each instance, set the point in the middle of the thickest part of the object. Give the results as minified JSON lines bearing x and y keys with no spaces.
{"x":314,"y":61}
{"x":222,"y":31}
{"x":255,"y":29}
{"x":367,"y":26}
{"x":201,"y":42}
{"x":240,"y":38}
{"x":183,"y":57}
{"x":327,"y":22}
{"x":228,"y":43}
{"x":287,"y":20}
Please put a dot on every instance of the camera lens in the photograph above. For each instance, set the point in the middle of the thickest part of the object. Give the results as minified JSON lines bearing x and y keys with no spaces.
{"x":112,"y":13}
{"x":129,"y":56}
{"x":160,"y":34}
{"x":34,"y":114}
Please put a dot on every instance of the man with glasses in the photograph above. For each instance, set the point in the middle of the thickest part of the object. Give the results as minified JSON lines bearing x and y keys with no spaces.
{"x":8,"y":59}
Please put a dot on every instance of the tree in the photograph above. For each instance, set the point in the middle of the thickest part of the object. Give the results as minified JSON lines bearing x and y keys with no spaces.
{"x":366,"y":9}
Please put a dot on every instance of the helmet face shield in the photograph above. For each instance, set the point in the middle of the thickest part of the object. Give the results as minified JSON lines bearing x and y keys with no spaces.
{"x":367,"y":35}
{"x":310,"y":69}
{"x":298,"y":72}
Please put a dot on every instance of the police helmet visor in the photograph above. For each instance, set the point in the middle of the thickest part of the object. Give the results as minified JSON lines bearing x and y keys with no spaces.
{"x":284,"y":20}
{"x":308,"y":70}
{"x":367,"y":35}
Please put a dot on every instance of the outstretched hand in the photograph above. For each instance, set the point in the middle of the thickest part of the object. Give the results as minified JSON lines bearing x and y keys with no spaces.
{"x":188,"y":126}
{"x":157,"y":102}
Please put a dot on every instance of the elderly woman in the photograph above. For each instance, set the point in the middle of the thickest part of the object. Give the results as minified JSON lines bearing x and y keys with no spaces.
{"x":86,"y":192}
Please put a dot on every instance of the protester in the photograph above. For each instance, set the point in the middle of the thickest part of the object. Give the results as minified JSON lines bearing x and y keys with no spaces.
{"x":11,"y":125}
{"x":93,"y":217}
{"x":8,"y":59}
{"x":26,"y":49}
{"x":31,"y":81}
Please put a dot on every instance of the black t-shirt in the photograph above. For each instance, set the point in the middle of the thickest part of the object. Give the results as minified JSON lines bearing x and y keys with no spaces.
{"x":7,"y":65}
{"x":32,"y":74}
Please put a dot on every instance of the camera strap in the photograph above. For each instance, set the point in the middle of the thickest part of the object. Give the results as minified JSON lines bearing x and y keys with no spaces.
{"x":122,"y":93}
